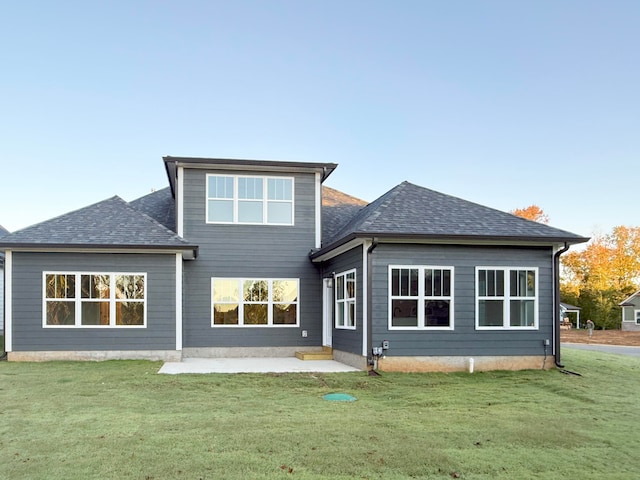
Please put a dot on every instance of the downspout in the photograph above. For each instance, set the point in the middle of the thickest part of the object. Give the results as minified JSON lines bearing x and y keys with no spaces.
{"x":556,"y":304}
{"x":372,"y":247}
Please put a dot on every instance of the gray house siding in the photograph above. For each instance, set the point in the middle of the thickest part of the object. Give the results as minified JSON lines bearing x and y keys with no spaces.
{"x":464,"y":340}
{"x":628,"y":315}
{"x":29,"y":335}
{"x":343,"y":339}
{"x":250,"y":251}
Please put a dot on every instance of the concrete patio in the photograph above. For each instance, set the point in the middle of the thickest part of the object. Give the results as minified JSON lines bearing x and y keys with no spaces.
{"x":254,"y":365}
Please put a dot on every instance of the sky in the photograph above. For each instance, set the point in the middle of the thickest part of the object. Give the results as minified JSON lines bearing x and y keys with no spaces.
{"x":502,"y":103}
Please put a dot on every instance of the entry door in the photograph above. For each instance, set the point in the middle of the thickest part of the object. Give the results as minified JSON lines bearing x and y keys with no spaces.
{"x":327,"y":311}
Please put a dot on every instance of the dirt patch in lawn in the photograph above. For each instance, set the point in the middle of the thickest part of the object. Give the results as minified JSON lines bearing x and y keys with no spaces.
{"x":607,"y":337}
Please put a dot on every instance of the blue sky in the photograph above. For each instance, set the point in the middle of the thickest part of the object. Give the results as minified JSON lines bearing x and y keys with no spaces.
{"x":502,"y":103}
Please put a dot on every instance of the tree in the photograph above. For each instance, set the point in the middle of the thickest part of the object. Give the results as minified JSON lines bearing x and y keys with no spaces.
{"x":599,"y":277}
{"x":532,"y":212}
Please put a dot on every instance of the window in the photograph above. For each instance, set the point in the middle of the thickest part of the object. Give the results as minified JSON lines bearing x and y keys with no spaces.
{"x":506,"y":298}
{"x":94,"y":299}
{"x":420,"y":297}
{"x":254,"y":302}
{"x":346,"y":300}
{"x":249,"y":200}
{"x":637,"y":316}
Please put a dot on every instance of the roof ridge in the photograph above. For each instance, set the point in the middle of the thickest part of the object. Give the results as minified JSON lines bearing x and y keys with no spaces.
{"x":493,"y":209}
{"x":412,"y":210}
{"x":65,"y":214}
{"x":361,"y":217}
{"x":112,"y":221}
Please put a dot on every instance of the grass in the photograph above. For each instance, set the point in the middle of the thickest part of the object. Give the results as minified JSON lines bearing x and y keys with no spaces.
{"x":119,"y":419}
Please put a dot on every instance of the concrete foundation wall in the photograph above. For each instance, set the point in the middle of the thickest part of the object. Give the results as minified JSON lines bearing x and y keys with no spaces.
{"x":630,"y":327}
{"x":351,"y":359}
{"x":96,"y":355}
{"x":462,"y":364}
{"x":244,"y":352}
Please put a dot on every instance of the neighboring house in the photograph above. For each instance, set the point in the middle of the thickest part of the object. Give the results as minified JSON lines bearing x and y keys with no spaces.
{"x":631,"y":313}
{"x":566,"y":309}
{"x":257,"y":258}
{"x":3,"y":232}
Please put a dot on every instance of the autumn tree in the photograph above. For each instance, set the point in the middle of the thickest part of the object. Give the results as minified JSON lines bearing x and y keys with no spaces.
{"x":603,"y":274}
{"x":532,"y":212}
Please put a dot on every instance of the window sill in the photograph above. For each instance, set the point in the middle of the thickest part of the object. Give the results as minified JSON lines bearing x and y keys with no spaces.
{"x":95,"y":327}
{"x":508,"y":328}
{"x":256,"y":326}
{"x":423,"y":329}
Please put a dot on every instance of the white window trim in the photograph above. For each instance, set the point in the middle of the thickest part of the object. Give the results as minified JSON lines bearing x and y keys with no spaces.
{"x":78,"y":300}
{"x":421,"y":297}
{"x":636,"y":316}
{"x":270,"y":303}
{"x":346,"y":300}
{"x":265,"y":200}
{"x":506,"y":299}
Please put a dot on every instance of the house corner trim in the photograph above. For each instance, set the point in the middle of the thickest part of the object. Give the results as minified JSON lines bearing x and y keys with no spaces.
{"x":180,"y":201}
{"x":178,"y":302}
{"x":8,"y":301}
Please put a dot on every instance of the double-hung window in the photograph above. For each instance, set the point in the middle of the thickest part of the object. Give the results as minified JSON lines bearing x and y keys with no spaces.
{"x":345,"y":305}
{"x":637,"y":316}
{"x":250,"y":200}
{"x":420,"y":297}
{"x":94,"y":299}
{"x":255,"y":302}
{"x":506,"y":298}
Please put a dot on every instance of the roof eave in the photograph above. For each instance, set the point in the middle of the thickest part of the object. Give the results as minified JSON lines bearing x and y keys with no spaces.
{"x":244,"y":164}
{"x":188,"y":251}
{"x":449,"y":239}
{"x":626,"y":301}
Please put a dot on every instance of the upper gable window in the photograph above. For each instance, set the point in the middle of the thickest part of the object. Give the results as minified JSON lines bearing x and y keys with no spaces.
{"x":250,"y":200}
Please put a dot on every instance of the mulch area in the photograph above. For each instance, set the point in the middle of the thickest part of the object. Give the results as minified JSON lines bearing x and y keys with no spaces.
{"x":606,"y":337}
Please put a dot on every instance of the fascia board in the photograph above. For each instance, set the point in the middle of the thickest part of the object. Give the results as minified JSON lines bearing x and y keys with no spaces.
{"x":327,"y":252}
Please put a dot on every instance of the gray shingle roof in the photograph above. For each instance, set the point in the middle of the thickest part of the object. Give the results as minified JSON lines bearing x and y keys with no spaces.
{"x":159,"y":205}
{"x":112,"y":223}
{"x":3,"y":232}
{"x":411,"y":210}
{"x":337,"y":209}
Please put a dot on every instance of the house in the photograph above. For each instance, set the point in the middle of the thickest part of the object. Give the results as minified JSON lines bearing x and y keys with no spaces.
{"x":258,"y":258}
{"x":565,"y":310}
{"x":631,"y":313}
{"x":3,"y":232}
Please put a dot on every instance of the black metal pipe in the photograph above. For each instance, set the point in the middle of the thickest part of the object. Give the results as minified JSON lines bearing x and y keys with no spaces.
{"x":556,"y":304}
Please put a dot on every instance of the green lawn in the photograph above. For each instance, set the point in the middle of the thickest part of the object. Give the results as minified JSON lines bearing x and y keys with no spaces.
{"x":119,"y":419}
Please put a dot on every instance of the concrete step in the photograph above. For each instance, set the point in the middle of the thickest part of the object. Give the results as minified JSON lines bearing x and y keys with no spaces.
{"x":325,"y":354}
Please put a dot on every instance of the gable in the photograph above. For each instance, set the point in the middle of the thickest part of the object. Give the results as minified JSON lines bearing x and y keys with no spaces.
{"x":631,"y":301}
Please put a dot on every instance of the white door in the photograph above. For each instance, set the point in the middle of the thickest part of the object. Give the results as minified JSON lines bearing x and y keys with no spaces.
{"x":327,"y":311}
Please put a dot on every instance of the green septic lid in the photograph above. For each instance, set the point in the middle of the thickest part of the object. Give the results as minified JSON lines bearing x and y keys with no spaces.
{"x":339,"y":397}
